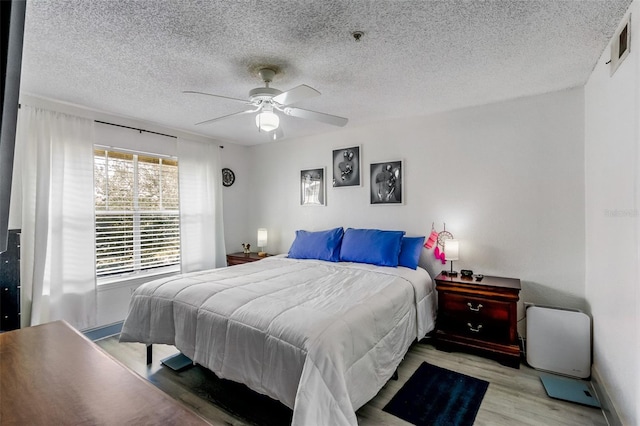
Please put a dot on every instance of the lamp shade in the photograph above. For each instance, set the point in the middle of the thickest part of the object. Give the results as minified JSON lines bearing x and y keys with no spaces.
{"x":262,"y":237}
{"x":451,"y":249}
{"x":267,"y":121}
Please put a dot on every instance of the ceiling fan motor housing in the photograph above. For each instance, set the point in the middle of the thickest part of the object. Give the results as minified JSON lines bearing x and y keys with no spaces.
{"x":263,"y":94}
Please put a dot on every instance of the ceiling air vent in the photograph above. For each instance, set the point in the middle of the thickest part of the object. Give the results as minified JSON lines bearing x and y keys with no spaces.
{"x":621,"y":45}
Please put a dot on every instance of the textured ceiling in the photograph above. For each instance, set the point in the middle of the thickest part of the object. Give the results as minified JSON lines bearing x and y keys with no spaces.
{"x":136,"y":57}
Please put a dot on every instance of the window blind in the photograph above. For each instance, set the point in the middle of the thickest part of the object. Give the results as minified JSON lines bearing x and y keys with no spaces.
{"x":136,"y":213}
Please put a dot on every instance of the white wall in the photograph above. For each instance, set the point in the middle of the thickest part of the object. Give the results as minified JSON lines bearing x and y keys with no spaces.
{"x":612,"y":120}
{"x":506,"y":178}
{"x":238,"y":204}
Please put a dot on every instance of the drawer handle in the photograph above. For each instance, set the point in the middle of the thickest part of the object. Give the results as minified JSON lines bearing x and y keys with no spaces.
{"x":476,"y":329}
{"x":476,"y":309}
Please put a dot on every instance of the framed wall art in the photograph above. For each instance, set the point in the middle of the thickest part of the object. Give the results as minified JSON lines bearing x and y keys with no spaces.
{"x":386,"y":182}
{"x":312,"y":187}
{"x":346,"y":167}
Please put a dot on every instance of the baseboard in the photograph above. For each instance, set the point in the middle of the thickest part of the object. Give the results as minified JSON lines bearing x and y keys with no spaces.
{"x":608,"y":409}
{"x":103,"y":331}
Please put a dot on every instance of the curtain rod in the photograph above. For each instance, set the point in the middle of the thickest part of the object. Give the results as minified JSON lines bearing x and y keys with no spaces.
{"x":135,"y":128}
{"x":140,"y":130}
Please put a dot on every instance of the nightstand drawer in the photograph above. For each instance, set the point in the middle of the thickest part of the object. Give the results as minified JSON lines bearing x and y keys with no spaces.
{"x":483,"y":328}
{"x":474,"y":308}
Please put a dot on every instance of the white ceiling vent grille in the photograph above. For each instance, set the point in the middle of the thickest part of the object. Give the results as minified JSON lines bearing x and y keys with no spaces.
{"x":621,"y":45}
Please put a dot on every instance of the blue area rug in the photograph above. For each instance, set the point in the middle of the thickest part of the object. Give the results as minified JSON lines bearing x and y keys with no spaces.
{"x":435,"y":396}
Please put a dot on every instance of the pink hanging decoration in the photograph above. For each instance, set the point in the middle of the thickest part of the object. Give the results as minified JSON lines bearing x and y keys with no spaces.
{"x":439,"y":255}
{"x":433,"y":237}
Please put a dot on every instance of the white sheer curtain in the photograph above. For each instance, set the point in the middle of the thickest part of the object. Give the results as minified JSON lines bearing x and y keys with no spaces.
{"x":54,"y":156}
{"x":201,"y":224}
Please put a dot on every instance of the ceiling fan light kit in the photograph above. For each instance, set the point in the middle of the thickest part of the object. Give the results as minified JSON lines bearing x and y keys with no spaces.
{"x":267,"y":121}
{"x":265,"y":101}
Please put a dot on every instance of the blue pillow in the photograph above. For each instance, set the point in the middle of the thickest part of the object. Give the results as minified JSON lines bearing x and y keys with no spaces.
{"x":321,"y":245}
{"x":410,"y":251}
{"x":371,"y":246}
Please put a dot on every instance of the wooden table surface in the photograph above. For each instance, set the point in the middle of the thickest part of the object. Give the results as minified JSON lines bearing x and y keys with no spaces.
{"x":51,"y":374}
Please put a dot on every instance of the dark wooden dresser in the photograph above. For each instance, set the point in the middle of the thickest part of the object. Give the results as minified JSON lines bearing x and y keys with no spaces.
{"x":10,"y":283}
{"x":479,"y":317}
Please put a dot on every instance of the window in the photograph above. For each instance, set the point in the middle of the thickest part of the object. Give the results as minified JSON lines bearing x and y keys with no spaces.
{"x":137,"y":213}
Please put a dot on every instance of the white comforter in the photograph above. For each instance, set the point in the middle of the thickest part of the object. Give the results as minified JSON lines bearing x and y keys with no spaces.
{"x":321,"y":337}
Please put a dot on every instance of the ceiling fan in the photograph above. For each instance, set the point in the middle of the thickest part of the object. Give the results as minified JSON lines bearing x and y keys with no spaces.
{"x":266,"y":102}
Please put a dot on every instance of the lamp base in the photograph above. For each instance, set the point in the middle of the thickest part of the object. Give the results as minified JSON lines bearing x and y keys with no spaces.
{"x":262,"y":254}
{"x":450,"y":273}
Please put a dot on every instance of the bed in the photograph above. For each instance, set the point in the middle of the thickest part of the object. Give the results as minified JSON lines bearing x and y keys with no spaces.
{"x":320,"y":336}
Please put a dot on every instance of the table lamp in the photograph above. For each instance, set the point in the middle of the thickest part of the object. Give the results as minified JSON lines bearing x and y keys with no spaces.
{"x":262,"y":241}
{"x":451,"y":252}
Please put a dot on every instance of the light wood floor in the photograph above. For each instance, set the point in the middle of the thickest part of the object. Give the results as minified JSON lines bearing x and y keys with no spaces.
{"x":514,"y":397}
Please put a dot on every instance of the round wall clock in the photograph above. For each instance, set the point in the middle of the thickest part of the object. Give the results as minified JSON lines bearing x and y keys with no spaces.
{"x":228,"y":177}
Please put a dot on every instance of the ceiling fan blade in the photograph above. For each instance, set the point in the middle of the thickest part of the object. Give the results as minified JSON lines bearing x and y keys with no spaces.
{"x":225,"y":116}
{"x":296,"y":94}
{"x":317,"y":116}
{"x":244,"y":101}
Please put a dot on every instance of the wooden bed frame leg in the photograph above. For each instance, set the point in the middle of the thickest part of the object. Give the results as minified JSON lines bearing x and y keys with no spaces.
{"x":149,"y":354}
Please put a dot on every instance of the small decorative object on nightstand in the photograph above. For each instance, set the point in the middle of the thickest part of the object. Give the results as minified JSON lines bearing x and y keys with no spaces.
{"x":466,"y":273}
{"x":240,"y":258}
{"x":479,"y":316}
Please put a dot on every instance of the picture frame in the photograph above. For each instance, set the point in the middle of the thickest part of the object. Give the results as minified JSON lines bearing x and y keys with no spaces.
{"x":347,"y":166}
{"x":313,"y":190}
{"x":386,"y":183}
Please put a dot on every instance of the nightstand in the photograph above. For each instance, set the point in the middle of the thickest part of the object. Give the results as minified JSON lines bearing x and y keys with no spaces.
{"x":240,"y":258}
{"x":479,"y":317}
